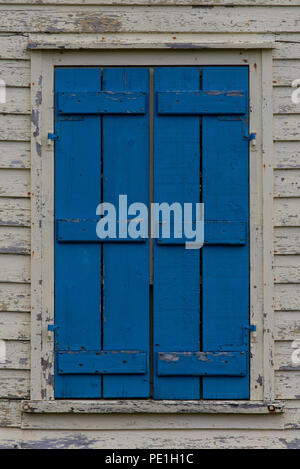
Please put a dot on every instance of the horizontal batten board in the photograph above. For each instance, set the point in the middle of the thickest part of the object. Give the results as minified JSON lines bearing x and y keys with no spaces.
{"x":287,"y":182}
{"x":287,"y":240}
{"x":287,"y":46}
{"x":287,"y":211}
{"x":100,"y":362}
{"x":282,"y":101}
{"x":287,"y":269}
{"x":14,"y":155}
{"x":287,"y":297}
{"x":287,"y":384}
{"x":14,"y":211}
{"x":287,"y":325}
{"x":285,"y":71}
{"x":14,"y":240}
{"x":14,"y":384}
{"x":14,"y":127}
{"x":159,"y":40}
{"x":142,"y":19}
{"x":287,"y":127}
{"x":14,"y":297}
{"x":14,"y":326}
{"x":17,"y":355}
{"x":287,"y":155}
{"x":13,"y":46}
{"x":14,"y":182}
{"x":14,"y":268}
{"x":10,"y":413}
{"x":17,"y":101}
{"x":15,"y":72}
{"x":283,"y":356}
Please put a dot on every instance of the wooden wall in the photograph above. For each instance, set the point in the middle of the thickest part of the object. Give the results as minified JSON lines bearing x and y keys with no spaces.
{"x":18,"y":18}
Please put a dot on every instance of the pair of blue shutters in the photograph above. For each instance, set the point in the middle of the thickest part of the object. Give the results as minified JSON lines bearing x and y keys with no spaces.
{"x":187,"y":335}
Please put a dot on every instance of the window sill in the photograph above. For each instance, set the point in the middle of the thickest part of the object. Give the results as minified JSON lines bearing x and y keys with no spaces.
{"x":151,"y":407}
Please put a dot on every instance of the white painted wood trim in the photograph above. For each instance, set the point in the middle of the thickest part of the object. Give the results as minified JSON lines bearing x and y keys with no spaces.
{"x":152,"y":407}
{"x":43,"y":63}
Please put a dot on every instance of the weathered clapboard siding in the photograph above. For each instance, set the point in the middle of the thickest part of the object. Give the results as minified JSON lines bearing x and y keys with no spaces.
{"x":15,"y":72}
{"x":14,"y":211}
{"x":14,"y":240}
{"x":287,"y":269}
{"x":287,"y":325}
{"x":286,"y":155}
{"x":159,"y":18}
{"x":14,"y":326}
{"x":14,"y":155}
{"x":18,"y":355}
{"x":14,"y":182}
{"x":287,"y":384}
{"x":114,"y":16}
{"x":287,"y":297}
{"x":14,"y":384}
{"x":14,"y":127}
{"x":14,"y":268}
{"x":287,"y":240}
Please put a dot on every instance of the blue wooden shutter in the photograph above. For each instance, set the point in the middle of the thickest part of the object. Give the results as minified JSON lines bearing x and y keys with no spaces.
{"x":101,"y":290}
{"x":225,"y":268}
{"x":204,"y":337}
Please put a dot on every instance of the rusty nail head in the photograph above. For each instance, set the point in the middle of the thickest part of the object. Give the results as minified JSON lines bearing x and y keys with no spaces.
{"x":271,"y":408}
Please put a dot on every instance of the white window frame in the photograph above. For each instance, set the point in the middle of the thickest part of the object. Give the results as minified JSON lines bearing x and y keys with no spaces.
{"x":256,"y":52}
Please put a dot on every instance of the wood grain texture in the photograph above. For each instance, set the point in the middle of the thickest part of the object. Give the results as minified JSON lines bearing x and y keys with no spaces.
{"x":285,"y":71}
{"x":14,"y":268}
{"x":283,"y":356}
{"x":14,"y":127}
{"x":10,"y":413}
{"x":15,"y":72}
{"x":14,"y":155}
{"x":13,"y":46}
{"x":197,"y":3}
{"x":287,"y":297}
{"x":287,"y":183}
{"x":14,"y":384}
{"x":14,"y":211}
{"x":287,"y":384}
{"x":286,"y":212}
{"x":14,"y":240}
{"x":287,"y":325}
{"x":14,"y":326}
{"x":287,"y":155}
{"x":141,"y":19}
{"x":17,"y":355}
{"x":14,"y":297}
{"x":287,"y":269}
{"x":287,"y":240}
{"x":282,"y":102}
{"x":17,"y":101}
{"x":287,"y":127}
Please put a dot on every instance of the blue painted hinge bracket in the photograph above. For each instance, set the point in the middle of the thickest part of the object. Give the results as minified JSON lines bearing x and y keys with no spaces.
{"x":52,"y":137}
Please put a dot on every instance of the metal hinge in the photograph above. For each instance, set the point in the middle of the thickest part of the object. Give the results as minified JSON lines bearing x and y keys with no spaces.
{"x":51,"y":328}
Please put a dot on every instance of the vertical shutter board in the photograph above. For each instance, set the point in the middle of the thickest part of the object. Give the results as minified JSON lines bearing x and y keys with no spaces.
{"x":176,"y":315}
{"x":77,"y":266}
{"x":225,"y":268}
{"x":126,"y":265}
